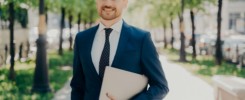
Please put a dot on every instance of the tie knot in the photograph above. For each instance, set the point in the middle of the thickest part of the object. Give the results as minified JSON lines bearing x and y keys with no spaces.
{"x":108,"y":31}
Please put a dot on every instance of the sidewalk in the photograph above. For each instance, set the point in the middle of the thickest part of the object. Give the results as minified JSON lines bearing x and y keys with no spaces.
{"x":183,"y":85}
{"x":64,"y":93}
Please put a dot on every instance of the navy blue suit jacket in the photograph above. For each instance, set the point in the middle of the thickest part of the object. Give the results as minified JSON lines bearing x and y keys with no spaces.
{"x":135,"y":53}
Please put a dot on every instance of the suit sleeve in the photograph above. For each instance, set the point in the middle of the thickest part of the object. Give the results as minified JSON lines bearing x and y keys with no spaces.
{"x":77,"y":82}
{"x":153,"y":70}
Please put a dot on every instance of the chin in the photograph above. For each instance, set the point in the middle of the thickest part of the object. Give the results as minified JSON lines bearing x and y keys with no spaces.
{"x":108,"y":17}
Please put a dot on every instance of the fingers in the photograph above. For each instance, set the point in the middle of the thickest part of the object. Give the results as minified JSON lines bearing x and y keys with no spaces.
{"x":110,"y":96}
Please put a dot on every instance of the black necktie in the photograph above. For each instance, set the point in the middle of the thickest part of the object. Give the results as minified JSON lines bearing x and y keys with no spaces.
{"x":105,"y":56}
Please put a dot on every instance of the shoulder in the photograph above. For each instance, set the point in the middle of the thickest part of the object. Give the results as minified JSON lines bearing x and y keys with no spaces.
{"x":138,"y":32}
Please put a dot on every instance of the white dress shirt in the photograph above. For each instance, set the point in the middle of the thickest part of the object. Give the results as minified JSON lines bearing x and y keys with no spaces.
{"x":99,"y":41}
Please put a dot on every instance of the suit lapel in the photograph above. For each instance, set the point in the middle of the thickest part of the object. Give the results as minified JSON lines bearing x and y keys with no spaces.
{"x":122,"y":44}
{"x":88,"y":51}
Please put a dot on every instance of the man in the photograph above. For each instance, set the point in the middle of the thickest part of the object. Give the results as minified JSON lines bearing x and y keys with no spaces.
{"x":117,"y":44}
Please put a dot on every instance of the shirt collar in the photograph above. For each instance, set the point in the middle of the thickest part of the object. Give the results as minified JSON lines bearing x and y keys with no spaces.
{"x":117,"y":26}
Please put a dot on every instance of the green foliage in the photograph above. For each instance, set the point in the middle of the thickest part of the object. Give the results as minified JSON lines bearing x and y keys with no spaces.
{"x":87,"y":8}
{"x":3,"y":12}
{"x":89,"y":11}
{"x":22,"y":17}
{"x":20,"y":14}
{"x":197,"y":5}
{"x":205,"y":71}
{"x":205,"y":61}
{"x":18,"y":3}
{"x":57,"y":60}
{"x":20,"y":7}
{"x":241,"y":73}
{"x":20,"y":89}
{"x":160,"y":12}
{"x":191,"y":4}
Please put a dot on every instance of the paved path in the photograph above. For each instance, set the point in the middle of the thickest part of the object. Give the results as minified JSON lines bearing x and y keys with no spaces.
{"x":64,"y":93}
{"x":183,"y":85}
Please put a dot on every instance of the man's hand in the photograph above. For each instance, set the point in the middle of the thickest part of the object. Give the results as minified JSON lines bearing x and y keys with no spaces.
{"x":110,"y":96}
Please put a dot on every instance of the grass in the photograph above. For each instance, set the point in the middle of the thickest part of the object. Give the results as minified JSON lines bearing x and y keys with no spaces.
{"x":20,"y":89}
{"x":204,"y":67}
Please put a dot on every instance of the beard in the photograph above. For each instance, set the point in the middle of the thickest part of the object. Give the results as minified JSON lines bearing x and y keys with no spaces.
{"x":108,"y":13}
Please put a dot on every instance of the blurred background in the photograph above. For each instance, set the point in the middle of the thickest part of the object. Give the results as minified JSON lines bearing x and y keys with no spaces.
{"x":201,"y":44}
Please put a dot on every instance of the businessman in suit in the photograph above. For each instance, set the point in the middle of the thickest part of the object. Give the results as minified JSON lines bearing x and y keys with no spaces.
{"x":115,"y":43}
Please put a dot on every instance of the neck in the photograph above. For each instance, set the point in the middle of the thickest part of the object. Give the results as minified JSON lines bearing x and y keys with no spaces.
{"x":109,"y":23}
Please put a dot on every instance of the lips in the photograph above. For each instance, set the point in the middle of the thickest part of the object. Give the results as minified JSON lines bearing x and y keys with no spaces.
{"x":108,"y":9}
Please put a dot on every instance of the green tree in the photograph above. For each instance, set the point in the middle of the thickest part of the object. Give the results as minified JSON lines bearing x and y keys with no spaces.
{"x":12,"y":10}
{"x":89,"y":13}
{"x":3,"y":12}
{"x":62,"y":25}
{"x":161,"y":13}
{"x":12,"y":45}
{"x":174,"y":9}
{"x":182,"y":35}
{"x":72,"y":9}
{"x":63,"y":6}
{"x":80,"y":10}
{"x":159,"y":16}
{"x":218,"y":53}
{"x":195,"y":6}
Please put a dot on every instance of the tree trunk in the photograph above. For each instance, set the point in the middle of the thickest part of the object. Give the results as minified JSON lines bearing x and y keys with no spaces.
{"x":24,"y":25}
{"x":20,"y":51}
{"x":12,"y":44}
{"x":46,"y":14}
{"x":182,"y":35}
{"x":6,"y":53}
{"x":41,"y":80}
{"x":62,"y":25}
{"x":193,"y":39}
{"x":90,"y":24}
{"x":218,"y":53}
{"x":85,"y":24}
{"x":165,"y":36}
{"x":172,"y":34}
{"x":28,"y":48}
{"x":91,"y":19}
{"x":79,"y":22}
{"x":70,"y":26}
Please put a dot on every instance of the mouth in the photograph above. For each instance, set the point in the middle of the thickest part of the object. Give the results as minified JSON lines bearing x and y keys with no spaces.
{"x":108,"y":9}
